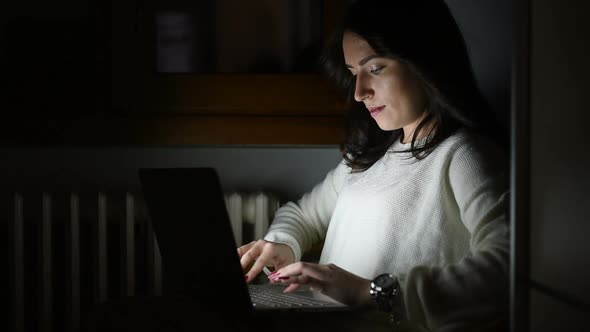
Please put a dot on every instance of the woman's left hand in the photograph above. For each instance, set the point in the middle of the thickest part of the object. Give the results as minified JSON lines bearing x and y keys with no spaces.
{"x":330,"y":280}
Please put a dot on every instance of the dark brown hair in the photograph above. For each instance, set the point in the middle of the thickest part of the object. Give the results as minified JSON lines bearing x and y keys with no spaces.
{"x":423,"y":36}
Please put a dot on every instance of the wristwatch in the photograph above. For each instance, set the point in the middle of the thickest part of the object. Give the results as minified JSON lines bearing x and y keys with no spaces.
{"x":384,"y":288}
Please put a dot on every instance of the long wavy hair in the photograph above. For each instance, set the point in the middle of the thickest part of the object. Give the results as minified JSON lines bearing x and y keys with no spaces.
{"x":423,"y":36}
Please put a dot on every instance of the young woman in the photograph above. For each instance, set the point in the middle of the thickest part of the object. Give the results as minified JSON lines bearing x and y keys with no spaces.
{"x":414,"y":218}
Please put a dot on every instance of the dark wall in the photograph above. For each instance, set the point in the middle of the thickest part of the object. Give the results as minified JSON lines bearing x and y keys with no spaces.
{"x":487,"y":29}
{"x":53,"y":53}
{"x":285,"y":171}
{"x":559,"y":187}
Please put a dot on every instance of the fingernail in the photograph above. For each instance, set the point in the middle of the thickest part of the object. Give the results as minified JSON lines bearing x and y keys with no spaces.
{"x":246,"y":277}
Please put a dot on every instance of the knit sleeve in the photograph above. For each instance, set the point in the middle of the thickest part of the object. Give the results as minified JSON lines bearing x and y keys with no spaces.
{"x":305,"y":222}
{"x":472,"y":294}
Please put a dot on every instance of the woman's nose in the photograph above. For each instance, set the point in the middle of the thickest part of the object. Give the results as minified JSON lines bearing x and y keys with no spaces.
{"x":362,"y":90}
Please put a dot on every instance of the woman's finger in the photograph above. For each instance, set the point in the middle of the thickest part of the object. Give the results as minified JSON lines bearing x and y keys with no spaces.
{"x":315,"y":271}
{"x":300,"y":280}
{"x":291,"y":288}
{"x":248,"y":256}
{"x":316,"y":276}
{"x":243,"y":249}
{"x":259,"y":264}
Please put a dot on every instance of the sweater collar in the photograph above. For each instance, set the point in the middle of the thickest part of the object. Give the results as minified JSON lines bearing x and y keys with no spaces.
{"x":398,"y":146}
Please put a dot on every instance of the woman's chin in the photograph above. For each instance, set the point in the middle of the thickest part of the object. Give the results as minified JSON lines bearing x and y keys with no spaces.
{"x":387,"y":126}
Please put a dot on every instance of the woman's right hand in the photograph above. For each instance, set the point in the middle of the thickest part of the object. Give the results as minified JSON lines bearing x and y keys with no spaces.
{"x":261,"y":253}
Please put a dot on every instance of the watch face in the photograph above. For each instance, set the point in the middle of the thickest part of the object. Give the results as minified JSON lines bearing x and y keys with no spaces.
{"x":384,"y":281}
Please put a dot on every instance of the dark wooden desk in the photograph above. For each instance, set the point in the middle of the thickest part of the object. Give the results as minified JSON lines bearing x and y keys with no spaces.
{"x":147,"y":314}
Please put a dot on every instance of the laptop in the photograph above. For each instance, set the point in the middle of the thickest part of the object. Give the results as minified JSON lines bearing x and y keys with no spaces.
{"x":199,"y":255}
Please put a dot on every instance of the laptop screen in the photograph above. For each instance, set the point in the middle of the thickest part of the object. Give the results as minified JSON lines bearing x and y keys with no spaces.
{"x":194,"y":235}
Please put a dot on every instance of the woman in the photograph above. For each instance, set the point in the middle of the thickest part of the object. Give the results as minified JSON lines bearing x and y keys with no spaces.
{"x":418,"y":204}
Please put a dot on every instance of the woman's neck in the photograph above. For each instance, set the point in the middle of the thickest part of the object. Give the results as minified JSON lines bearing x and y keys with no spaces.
{"x":410,"y":129}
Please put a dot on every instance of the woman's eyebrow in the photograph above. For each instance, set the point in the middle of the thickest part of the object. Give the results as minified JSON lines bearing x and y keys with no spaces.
{"x":365,"y":60}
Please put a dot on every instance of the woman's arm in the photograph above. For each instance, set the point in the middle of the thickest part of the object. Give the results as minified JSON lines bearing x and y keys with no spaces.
{"x":302,"y":224}
{"x":473,"y":293}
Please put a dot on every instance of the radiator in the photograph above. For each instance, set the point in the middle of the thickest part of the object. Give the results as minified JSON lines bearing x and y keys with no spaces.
{"x":69,"y":251}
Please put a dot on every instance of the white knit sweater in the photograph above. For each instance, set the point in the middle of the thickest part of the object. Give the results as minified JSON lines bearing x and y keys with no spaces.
{"x":438,"y":224}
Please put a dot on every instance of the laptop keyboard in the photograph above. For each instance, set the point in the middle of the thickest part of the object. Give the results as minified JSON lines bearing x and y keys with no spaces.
{"x":274,"y":297}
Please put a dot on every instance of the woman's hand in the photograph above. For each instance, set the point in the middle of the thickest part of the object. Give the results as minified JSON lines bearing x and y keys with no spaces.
{"x":330,"y":280}
{"x":261,"y":253}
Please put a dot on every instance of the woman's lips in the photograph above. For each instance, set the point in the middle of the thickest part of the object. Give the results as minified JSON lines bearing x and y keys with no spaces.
{"x":375,"y":110}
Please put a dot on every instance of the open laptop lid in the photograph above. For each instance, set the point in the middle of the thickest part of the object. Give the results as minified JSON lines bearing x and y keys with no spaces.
{"x":194,"y":234}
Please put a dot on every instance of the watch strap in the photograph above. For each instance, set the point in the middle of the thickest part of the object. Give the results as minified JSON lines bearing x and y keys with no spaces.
{"x":387,"y":298}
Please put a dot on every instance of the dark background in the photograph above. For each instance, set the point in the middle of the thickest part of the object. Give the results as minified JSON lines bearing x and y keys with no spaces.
{"x":530,"y":57}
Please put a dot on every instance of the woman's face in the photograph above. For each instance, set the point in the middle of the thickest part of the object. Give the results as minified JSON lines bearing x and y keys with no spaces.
{"x":390,"y":92}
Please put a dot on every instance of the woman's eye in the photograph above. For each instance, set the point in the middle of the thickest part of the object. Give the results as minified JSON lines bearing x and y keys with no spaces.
{"x":376,"y":70}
